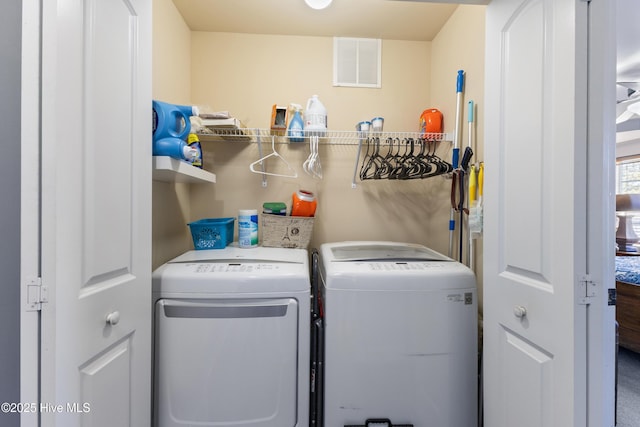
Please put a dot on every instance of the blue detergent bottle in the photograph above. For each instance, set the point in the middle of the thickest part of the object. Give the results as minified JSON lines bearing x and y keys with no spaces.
{"x":296,"y":125}
{"x":176,"y":148}
{"x":172,"y":121}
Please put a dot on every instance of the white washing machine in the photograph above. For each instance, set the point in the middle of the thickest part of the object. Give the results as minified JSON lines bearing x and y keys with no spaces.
{"x":400,"y":344}
{"x":231,"y":338}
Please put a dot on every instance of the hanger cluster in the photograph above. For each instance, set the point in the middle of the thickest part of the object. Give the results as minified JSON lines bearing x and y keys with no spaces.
{"x":406,"y":158}
{"x":312,"y":165}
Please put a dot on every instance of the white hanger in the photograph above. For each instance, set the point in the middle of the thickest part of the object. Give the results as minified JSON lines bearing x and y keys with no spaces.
{"x":273,"y":153}
{"x":312,"y":165}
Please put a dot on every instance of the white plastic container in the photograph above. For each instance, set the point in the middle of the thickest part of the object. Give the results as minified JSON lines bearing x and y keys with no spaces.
{"x":377,"y":123}
{"x":247,"y":228}
{"x":315,"y":117}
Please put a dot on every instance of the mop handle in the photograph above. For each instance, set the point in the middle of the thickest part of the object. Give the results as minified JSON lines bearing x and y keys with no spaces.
{"x":468,"y":152}
{"x":455,"y":154}
{"x":456,"y":142}
{"x":470,"y":120}
{"x":472,"y":174}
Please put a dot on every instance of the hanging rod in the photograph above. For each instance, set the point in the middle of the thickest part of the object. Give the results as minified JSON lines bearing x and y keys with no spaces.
{"x":329,"y":137}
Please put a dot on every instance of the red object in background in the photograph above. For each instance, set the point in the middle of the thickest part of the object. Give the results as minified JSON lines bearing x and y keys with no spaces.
{"x":431,"y":121}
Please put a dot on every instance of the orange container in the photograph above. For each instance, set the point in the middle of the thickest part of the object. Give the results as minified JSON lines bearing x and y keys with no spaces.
{"x":431,"y":121}
{"x":304,"y":203}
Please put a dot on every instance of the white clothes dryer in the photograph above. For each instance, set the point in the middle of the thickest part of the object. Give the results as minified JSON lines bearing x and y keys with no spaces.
{"x":400,"y":343}
{"x":231,"y":338}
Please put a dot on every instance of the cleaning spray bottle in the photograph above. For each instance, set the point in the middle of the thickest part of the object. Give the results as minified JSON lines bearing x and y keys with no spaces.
{"x":296,"y":125}
{"x":194,"y":142}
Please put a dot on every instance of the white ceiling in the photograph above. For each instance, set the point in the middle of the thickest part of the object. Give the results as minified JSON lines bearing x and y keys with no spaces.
{"x":386,"y":19}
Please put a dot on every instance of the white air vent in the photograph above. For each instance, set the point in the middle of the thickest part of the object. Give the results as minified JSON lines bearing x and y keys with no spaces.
{"x":357,"y":62}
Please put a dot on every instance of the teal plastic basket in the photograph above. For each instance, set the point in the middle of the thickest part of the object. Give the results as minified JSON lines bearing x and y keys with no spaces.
{"x":212,"y":233}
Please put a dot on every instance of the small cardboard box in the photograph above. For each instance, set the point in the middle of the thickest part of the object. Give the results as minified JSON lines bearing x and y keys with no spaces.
{"x":286,"y":231}
{"x":278,"y":120}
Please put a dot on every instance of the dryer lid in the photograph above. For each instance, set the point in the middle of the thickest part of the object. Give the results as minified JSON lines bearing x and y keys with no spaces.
{"x":384,"y":251}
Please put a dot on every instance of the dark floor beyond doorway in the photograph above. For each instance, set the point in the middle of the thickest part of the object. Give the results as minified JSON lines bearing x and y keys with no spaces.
{"x":628,"y":388}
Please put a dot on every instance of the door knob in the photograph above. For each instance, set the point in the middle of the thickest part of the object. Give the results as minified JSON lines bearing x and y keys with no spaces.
{"x":519,"y":311}
{"x":113,"y":318}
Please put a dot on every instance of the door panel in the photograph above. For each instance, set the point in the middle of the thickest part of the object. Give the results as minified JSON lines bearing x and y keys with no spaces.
{"x":109,"y":67}
{"x":522,"y":200}
{"x":535,"y":213}
{"x":106,"y":378}
{"x":526,"y":364}
{"x":96,"y":212}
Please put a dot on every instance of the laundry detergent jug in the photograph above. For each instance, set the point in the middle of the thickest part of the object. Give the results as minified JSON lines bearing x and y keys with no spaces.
{"x":430,"y":122}
{"x":315,"y":117}
{"x":172,"y":121}
{"x":176,"y":148}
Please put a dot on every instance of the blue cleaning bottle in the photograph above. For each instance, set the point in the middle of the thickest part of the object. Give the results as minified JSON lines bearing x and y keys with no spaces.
{"x":296,"y":125}
{"x":172,"y":121}
{"x":176,"y":148}
{"x":194,"y":142}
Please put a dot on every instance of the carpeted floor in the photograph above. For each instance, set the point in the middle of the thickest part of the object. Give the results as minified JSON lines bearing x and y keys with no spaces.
{"x":628,"y":388}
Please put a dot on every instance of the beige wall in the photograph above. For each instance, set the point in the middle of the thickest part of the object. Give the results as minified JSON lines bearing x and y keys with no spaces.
{"x":171,"y":83}
{"x":460,"y":46}
{"x":246,"y":74}
{"x":171,"y":54}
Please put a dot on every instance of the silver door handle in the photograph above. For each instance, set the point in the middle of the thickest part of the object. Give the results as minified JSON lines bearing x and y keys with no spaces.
{"x":113,"y":318}
{"x":519,"y":311}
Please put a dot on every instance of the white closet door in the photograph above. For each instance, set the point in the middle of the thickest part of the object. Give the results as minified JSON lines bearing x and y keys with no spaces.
{"x":535,"y":240}
{"x":96,"y":213}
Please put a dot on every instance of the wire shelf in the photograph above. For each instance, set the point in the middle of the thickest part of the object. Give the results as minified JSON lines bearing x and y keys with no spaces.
{"x":328,"y":137}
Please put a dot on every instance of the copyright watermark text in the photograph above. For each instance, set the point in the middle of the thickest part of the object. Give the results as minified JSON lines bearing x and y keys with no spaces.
{"x":43,"y":407}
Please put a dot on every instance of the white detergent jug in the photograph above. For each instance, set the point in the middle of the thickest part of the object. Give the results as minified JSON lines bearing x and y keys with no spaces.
{"x":315,"y":117}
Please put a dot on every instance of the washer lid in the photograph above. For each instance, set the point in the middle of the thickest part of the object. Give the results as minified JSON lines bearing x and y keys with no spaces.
{"x":383,"y":251}
{"x":391,"y":266}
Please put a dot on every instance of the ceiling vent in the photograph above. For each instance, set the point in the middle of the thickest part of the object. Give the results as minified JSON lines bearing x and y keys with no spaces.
{"x":357,"y":62}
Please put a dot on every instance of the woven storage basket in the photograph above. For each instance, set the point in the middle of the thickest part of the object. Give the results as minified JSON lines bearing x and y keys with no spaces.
{"x":286,"y":231}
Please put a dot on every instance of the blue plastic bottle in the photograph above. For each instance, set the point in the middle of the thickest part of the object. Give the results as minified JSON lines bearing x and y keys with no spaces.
{"x":296,"y":128}
{"x":171,"y":121}
{"x":174,"y":147}
{"x":194,"y":142}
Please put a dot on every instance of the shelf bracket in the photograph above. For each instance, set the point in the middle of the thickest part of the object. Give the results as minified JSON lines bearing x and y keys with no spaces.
{"x":264,"y":176}
{"x":355,"y":167}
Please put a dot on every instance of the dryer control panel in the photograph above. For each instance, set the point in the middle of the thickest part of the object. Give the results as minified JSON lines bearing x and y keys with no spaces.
{"x":401,"y":266}
{"x":232,"y":267}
